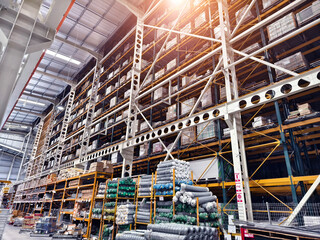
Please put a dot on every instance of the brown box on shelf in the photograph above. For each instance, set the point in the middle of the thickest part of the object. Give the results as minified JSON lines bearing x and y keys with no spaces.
{"x":293,"y":62}
{"x":107,"y":166}
{"x":304,"y":109}
{"x":73,"y":183}
{"x":188,"y":136}
{"x":96,"y":167}
{"x":294,"y":114}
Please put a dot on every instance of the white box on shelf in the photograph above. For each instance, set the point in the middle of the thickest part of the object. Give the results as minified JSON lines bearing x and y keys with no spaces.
{"x":109,"y":89}
{"x":187,"y":105}
{"x":172,"y":64}
{"x":172,"y":112}
{"x":160,"y":93}
{"x":113,"y":101}
{"x":206,"y":130}
{"x":206,"y":100}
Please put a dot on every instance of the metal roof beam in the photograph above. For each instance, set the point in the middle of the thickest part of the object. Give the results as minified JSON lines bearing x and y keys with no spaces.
{"x":11,"y":148}
{"x":10,"y":132}
{"x":132,"y":8}
{"x":70,"y":82}
{"x":53,"y":101}
{"x":66,"y":41}
{"x":38,"y":114}
{"x":19,"y":123}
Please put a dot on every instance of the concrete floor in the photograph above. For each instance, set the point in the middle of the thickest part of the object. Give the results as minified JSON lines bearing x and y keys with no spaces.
{"x":12,"y":233}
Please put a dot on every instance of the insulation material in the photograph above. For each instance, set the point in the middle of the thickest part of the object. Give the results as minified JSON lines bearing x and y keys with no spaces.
{"x":293,"y":63}
{"x":125,"y":214}
{"x":160,"y":93}
{"x":186,"y":80}
{"x":116,"y":158}
{"x":188,"y":136}
{"x":200,"y":19}
{"x":172,"y":112}
{"x":308,"y":13}
{"x":241,"y":12}
{"x":206,"y":100}
{"x":157,"y":147}
{"x":160,"y":73}
{"x":187,"y":105}
{"x":206,"y":131}
{"x":281,"y":26}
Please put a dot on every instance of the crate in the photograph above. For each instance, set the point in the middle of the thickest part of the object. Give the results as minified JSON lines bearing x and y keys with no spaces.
{"x":171,"y":113}
{"x":160,"y":93}
{"x":187,"y":105}
{"x":294,"y":62}
{"x":268,"y":3}
{"x":207,"y":98}
{"x":188,"y":136}
{"x":309,"y":13}
{"x":281,"y":27}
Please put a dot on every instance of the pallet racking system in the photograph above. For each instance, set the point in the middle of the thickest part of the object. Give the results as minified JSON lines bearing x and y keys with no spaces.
{"x":245,"y":71}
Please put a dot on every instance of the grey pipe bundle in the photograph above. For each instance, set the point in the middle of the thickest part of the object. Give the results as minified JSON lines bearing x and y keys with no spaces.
{"x":202,"y":200}
{"x":165,"y":236}
{"x":188,"y":188}
{"x":130,"y":235}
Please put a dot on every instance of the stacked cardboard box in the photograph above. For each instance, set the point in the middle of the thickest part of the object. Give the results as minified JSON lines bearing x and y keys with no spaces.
{"x":51,"y":178}
{"x":293,"y":62}
{"x":309,"y":13}
{"x":304,"y":109}
{"x":116,"y":158}
{"x":206,"y":100}
{"x":143,"y":149}
{"x":172,"y":64}
{"x":281,"y":26}
{"x":96,"y":167}
{"x":171,"y":113}
{"x":268,"y":3}
{"x":113,"y":101}
{"x":86,"y":193}
{"x":160,"y":93}
{"x":200,"y":19}
{"x":73,"y":183}
{"x":260,"y":121}
{"x":241,"y":12}
{"x":206,"y":130}
{"x":107,"y":166}
{"x":187,"y":105}
{"x":143,"y":126}
{"x":188,"y":136}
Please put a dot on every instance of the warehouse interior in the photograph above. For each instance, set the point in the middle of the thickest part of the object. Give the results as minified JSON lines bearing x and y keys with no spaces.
{"x":159,"y":119}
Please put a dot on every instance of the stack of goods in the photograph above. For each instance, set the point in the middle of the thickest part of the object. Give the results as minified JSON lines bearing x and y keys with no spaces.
{"x":164,"y":212}
{"x":165,"y":176}
{"x":186,"y":206}
{"x":127,"y":188}
{"x":173,"y":231}
{"x":86,"y":194}
{"x":51,"y":178}
{"x":144,"y":214}
{"x":131,"y":235}
{"x":145,"y":186}
{"x":69,"y":173}
{"x":112,"y":188}
{"x":304,"y":109}
{"x":46,"y":225}
{"x":73,"y":183}
{"x":28,"y":222}
{"x":109,"y":210}
{"x":107,"y":232}
{"x":101,"y":190}
{"x":125,"y":214}
{"x":97,"y":210}
{"x":96,"y":167}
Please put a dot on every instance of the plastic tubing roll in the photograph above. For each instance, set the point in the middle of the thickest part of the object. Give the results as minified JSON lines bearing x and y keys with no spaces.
{"x":188,"y":188}
{"x":198,"y":194}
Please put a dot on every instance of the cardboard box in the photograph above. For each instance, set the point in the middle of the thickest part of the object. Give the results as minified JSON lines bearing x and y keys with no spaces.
{"x":107,"y":166}
{"x":200,"y":19}
{"x":304,"y":109}
{"x":157,"y":147}
{"x":172,"y":64}
{"x":116,"y":158}
{"x":226,"y":132}
{"x":268,"y":3}
{"x":143,"y":149}
{"x":96,"y":167}
{"x":143,"y":126}
{"x":113,"y":101}
{"x":188,"y":136}
{"x":160,"y":93}
{"x":187,"y":105}
{"x":186,"y":80}
{"x":207,"y":98}
{"x":109,"y":89}
{"x":172,"y":112}
{"x":241,"y":12}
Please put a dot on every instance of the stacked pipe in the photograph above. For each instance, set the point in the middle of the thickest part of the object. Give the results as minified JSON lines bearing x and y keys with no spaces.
{"x":125,"y":214}
{"x":186,"y":206}
{"x":165,"y":176}
{"x":173,"y":231}
{"x":145,"y":186}
{"x":127,"y":188}
{"x":109,"y":210}
{"x":164,"y":211}
{"x":101,"y":189}
{"x":112,"y":188}
{"x":143,"y":213}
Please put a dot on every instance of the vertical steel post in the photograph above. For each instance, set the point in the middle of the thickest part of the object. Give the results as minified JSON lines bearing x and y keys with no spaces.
{"x":234,"y":120}
{"x":127,"y":152}
{"x":25,"y":154}
{"x":278,"y":114}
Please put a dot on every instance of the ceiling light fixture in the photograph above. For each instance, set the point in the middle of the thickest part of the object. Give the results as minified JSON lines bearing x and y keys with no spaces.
{"x":61,"y":108}
{"x":33,"y":102}
{"x":65,"y":58}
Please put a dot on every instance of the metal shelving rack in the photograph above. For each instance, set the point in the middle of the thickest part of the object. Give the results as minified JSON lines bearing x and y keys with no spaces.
{"x":235,"y":102}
